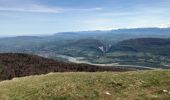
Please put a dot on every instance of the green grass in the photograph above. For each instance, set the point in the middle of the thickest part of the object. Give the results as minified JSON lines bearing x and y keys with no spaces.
{"x":140,"y":85}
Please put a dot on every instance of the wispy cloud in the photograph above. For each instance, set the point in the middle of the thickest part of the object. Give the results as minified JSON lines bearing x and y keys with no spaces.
{"x":84,"y":9}
{"x":45,"y":9}
{"x":33,"y":8}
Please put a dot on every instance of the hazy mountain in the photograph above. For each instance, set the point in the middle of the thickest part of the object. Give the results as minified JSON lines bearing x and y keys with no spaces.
{"x":140,"y":46}
{"x":59,"y":39}
{"x":117,"y":35}
{"x":157,"y":46}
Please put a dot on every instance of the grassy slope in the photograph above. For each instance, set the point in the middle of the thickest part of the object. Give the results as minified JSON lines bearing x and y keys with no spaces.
{"x":140,"y":85}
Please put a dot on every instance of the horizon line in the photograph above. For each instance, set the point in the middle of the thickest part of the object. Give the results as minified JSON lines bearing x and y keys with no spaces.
{"x":49,"y":34}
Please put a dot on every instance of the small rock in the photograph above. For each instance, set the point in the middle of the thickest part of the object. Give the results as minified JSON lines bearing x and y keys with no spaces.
{"x":165,"y":91}
{"x":15,"y":79}
{"x":155,"y":96}
{"x":51,"y":73}
{"x":169,"y":93}
{"x":107,"y":93}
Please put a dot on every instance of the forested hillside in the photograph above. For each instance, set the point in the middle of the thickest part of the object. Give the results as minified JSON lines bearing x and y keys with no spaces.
{"x":19,"y":65}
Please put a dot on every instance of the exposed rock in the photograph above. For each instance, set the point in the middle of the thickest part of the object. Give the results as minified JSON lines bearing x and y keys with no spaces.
{"x":107,"y":93}
{"x":165,"y":91}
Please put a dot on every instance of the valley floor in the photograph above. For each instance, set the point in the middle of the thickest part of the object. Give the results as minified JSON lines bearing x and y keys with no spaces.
{"x":136,"y":85}
{"x":80,"y":60}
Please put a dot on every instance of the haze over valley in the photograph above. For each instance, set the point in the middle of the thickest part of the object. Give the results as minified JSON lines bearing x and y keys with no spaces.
{"x":147,"y":47}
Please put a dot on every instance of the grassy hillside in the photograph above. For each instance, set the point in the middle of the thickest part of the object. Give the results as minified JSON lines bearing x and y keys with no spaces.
{"x":140,"y":85}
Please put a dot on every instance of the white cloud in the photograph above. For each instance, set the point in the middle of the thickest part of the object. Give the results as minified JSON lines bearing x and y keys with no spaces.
{"x":163,"y":25}
{"x":33,"y":7}
{"x":84,"y":9}
{"x":26,"y":6}
{"x":44,"y":9}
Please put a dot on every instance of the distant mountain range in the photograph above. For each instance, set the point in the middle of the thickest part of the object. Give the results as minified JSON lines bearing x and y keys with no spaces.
{"x":117,"y":35}
{"x":140,"y":46}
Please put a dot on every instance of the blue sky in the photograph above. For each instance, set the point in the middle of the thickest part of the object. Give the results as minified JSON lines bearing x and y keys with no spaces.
{"x":34,"y":17}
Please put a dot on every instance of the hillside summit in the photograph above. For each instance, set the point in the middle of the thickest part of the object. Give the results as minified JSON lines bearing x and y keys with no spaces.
{"x":139,"y":85}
